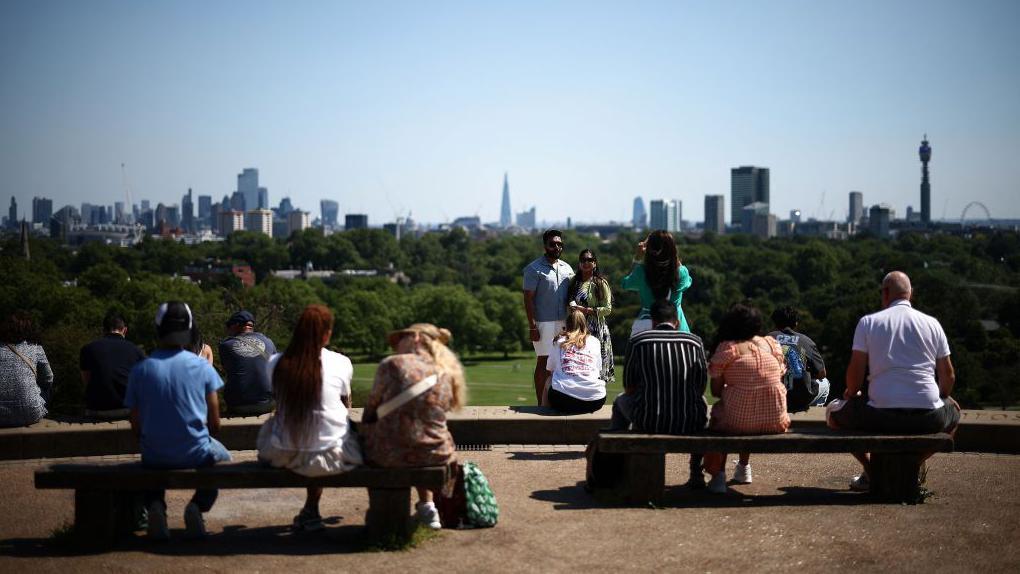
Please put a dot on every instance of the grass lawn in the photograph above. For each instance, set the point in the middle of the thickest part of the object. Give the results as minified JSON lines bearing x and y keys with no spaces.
{"x":492,"y":380}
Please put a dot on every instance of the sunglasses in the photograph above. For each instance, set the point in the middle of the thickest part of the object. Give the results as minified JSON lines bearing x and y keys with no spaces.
{"x":556,"y":244}
{"x":587,"y":260}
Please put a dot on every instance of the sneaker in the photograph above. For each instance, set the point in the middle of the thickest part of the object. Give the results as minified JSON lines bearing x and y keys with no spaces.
{"x":743,"y":473}
{"x":307,"y":521}
{"x":428,"y":515}
{"x":156,"y":528}
{"x":860,"y":483}
{"x":194,"y":523}
{"x":718,"y":483}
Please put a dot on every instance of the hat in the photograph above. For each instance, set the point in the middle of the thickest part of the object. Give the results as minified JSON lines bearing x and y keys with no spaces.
{"x":173,"y":323}
{"x":240,"y":318}
{"x":427,"y":329}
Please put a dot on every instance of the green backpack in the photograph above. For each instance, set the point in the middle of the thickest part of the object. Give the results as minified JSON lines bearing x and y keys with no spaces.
{"x":482,"y":510}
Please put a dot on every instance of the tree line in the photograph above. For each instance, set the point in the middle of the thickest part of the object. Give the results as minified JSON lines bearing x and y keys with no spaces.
{"x":473,"y":287}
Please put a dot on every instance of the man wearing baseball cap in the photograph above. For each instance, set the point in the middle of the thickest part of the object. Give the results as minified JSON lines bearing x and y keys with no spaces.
{"x":172,"y":397}
{"x":244,"y":355}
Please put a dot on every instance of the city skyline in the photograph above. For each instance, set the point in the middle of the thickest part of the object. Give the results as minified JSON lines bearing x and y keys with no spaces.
{"x":607,"y":101}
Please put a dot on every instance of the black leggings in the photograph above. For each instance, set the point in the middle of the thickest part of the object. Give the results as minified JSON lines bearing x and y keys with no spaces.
{"x":571,"y":406}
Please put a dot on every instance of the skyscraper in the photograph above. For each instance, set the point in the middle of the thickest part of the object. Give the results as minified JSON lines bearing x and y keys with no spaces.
{"x":42,"y":210}
{"x":925,"y":153}
{"x":504,"y":211}
{"x":674,"y":215}
{"x":878,"y":220}
{"x":204,"y":207}
{"x":715,"y":214}
{"x":856,"y":212}
{"x":12,"y":214}
{"x":188,"y":213}
{"x":355,"y":221}
{"x":748,"y":184}
{"x":658,"y":213}
{"x":248,"y":186}
{"x":297,"y":220}
{"x":259,"y":221}
{"x":640,"y":218}
{"x":526,"y":219}
{"x":263,"y":200}
{"x":330,"y":210}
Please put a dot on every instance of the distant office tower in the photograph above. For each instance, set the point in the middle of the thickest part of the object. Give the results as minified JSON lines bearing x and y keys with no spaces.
{"x":748,"y":184}
{"x":526,"y":219}
{"x":925,"y":153}
{"x":146,"y":206}
{"x":878,"y":220}
{"x":659,"y":214}
{"x":231,"y":221}
{"x":173,"y":216}
{"x":674,"y":215}
{"x":86,"y":214}
{"x":715,"y":214}
{"x":856,"y":213}
{"x":248,"y":186}
{"x":795,"y":215}
{"x":330,"y":211}
{"x":158,"y":217}
{"x":188,"y":212}
{"x":42,"y":210}
{"x":259,"y":221}
{"x":263,"y":200}
{"x":504,"y":211}
{"x":238,"y":202}
{"x":12,"y":214}
{"x":285,"y":207}
{"x":204,"y":207}
{"x":756,"y":220}
{"x":119,"y":216}
{"x":355,"y":221}
{"x":640,"y":217}
{"x":297,"y":220}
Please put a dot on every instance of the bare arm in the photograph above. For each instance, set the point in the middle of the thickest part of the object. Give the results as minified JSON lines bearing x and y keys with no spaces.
{"x":946,"y":376}
{"x":855,"y":373}
{"x":213,"y":402}
{"x":529,"y":309}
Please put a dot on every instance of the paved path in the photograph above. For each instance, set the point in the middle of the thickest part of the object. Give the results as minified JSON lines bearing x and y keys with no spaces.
{"x":796,"y":516}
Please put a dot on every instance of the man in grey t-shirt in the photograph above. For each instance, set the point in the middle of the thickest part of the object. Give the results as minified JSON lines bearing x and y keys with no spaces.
{"x":546,"y":282}
{"x":244,"y":354}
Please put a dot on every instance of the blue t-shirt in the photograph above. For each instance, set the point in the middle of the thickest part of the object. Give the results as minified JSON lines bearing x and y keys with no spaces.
{"x":169,"y":390}
{"x":551,"y":284}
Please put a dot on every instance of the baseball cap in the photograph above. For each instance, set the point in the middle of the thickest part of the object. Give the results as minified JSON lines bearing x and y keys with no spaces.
{"x":173,"y":323}
{"x":240,"y":318}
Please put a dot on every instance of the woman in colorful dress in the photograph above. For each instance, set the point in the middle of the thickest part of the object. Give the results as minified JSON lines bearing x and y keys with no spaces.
{"x":657,"y":274}
{"x":404,"y":421}
{"x":747,"y":376}
{"x":590,"y":293}
{"x":26,"y":379}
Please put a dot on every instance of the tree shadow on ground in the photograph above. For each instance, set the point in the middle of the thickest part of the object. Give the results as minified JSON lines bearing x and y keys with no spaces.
{"x":547,"y":456}
{"x":681,"y":496}
{"x":235,"y":539}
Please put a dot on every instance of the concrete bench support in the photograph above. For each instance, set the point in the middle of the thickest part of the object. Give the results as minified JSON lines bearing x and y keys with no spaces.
{"x":105,"y":493}
{"x":895,"y":459}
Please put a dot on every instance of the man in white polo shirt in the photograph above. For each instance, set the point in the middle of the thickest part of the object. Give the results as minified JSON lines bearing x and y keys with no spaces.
{"x":910,"y":374}
{"x":546,"y":283}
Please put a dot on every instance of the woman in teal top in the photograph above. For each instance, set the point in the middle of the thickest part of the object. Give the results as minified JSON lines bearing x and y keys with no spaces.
{"x":657,"y":274}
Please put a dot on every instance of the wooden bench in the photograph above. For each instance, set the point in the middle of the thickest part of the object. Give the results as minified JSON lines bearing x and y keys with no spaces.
{"x":895,"y":466}
{"x":102,"y":492}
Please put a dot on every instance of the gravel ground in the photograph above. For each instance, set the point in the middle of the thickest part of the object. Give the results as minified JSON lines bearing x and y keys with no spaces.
{"x":796,"y":515}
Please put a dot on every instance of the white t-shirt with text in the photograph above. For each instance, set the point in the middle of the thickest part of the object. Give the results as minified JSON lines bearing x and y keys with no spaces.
{"x":575,"y":372}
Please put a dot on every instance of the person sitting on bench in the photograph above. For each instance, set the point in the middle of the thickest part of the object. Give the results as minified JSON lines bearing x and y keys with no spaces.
{"x":404,"y":421}
{"x":310,"y":434}
{"x":911,"y":376}
{"x":174,"y":408}
{"x":575,"y":364}
{"x":664,"y":396}
{"x":747,"y":376}
{"x":105,"y":364}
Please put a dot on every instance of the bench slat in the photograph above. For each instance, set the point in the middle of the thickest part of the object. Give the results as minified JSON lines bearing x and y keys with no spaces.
{"x":133,"y":476}
{"x":791,"y":442}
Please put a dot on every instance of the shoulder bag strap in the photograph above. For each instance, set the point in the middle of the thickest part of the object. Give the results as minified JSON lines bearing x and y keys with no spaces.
{"x":31,"y":365}
{"x":406,"y":395}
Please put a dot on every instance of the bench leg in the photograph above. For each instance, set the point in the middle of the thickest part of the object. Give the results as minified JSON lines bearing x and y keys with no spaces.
{"x":894,"y":476}
{"x":388,"y":512}
{"x":97,"y":518}
{"x":644,"y":478}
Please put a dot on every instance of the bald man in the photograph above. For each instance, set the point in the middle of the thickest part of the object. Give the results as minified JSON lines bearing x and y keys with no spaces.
{"x":910,"y":374}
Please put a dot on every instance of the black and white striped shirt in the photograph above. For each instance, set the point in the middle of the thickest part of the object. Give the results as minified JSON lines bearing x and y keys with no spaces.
{"x":668,"y":373}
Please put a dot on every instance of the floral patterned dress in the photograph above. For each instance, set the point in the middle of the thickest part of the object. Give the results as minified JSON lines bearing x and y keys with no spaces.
{"x":754,"y":398}
{"x":415,"y":434}
{"x":599,"y":296}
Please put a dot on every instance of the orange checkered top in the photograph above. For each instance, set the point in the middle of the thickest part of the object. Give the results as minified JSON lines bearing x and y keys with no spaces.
{"x":754,"y":397}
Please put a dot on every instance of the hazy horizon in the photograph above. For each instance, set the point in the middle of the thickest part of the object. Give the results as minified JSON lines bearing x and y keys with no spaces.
{"x":401,"y":107}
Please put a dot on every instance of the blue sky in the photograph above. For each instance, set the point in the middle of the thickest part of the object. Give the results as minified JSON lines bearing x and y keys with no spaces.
{"x":390,"y":107}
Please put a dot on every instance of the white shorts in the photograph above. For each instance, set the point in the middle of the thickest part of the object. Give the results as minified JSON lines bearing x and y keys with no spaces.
{"x":548,"y":331}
